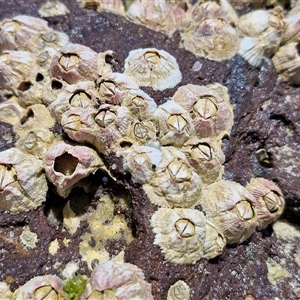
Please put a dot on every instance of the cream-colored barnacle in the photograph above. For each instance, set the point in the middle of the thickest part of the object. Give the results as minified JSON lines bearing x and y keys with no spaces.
{"x":231,"y":207}
{"x":5,"y":292}
{"x":206,"y":157}
{"x":179,"y":291}
{"x":180,"y":233}
{"x":174,"y":124}
{"x":153,"y":68}
{"x":174,"y":183}
{"x":65,"y":165}
{"x":141,"y":162}
{"x":269,"y":198}
{"x":10,"y":111}
{"x":292,"y":29}
{"x":23,"y":185}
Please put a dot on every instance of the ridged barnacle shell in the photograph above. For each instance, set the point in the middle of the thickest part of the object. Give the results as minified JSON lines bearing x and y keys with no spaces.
{"x":174,"y":124}
{"x":212,"y":38}
{"x":65,"y":165}
{"x":114,"y":87}
{"x":141,"y":162}
{"x":287,"y":63}
{"x":153,"y":68}
{"x":179,"y":291}
{"x":231,"y":207}
{"x":292,"y":29}
{"x":181,"y":14}
{"x":10,"y":111}
{"x":111,"y":280}
{"x":212,"y":114}
{"x":174,"y":183}
{"x":180,"y":233}
{"x":23,"y":185}
{"x":206,"y":157}
{"x":48,"y":287}
{"x":269,"y":198}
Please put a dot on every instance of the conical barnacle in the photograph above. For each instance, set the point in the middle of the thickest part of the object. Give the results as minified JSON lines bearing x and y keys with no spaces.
{"x":10,"y":111}
{"x":153,"y":68}
{"x":269,"y":198}
{"x":141,"y":162}
{"x":174,"y":124}
{"x":23,"y":185}
{"x":48,"y":287}
{"x":231,"y":208}
{"x":212,"y":115}
{"x":111,"y":280}
{"x":174,"y":183}
{"x":114,"y":88}
{"x":179,"y":291}
{"x":212,"y":38}
{"x":287,"y":63}
{"x":65,"y":165}
{"x":206,"y":157}
{"x":180,"y":233}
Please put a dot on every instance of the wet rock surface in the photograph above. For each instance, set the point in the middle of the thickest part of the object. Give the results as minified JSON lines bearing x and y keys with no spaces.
{"x":264,"y":142}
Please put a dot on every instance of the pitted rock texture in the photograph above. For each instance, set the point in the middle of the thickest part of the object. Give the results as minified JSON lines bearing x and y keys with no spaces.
{"x":266,"y":117}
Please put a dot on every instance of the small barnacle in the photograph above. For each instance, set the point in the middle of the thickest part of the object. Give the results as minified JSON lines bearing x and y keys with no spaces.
{"x":28,"y":238}
{"x":270,"y":201}
{"x":111,"y":280}
{"x":174,"y":124}
{"x":179,"y":291}
{"x":53,"y":8}
{"x":174,"y":183}
{"x":41,"y":287}
{"x":23,"y":185}
{"x":10,"y":111}
{"x":141,"y":162}
{"x":153,"y":68}
{"x":231,"y":208}
{"x":65,"y":165}
{"x":180,"y":233}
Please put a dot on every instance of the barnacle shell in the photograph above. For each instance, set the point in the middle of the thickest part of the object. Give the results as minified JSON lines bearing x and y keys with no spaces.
{"x":269,"y":198}
{"x":10,"y":111}
{"x":174,"y":183}
{"x":179,"y":291}
{"x":153,"y":68}
{"x":292,"y":29}
{"x":23,"y":184}
{"x":231,"y":208}
{"x":141,"y":162}
{"x":5,"y":292}
{"x":41,"y":287}
{"x":65,"y":165}
{"x":111,"y":280}
{"x":180,"y":233}
{"x":53,"y":8}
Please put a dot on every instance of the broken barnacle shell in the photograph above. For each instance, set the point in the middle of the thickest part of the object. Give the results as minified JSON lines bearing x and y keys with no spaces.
{"x":141,"y":162}
{"x":174,"y":183}
{"x":153,"y":68}
{"x":180,"y":233}
{"x":212,"y":114}
{"x":231,"y":207}
{"x":114,"y":88}
{"x":179,"y":291}
{"x":287,"y":63}
{"x":65,"y":165}
{"x":23,"y":185}
{"x":111,"y":280}
{"x":10,"y":111}
{"x":174,"y":124}
{"x":212,"y":38}
{"x":270,"y":201}
{"x":206,"y":157}
{"x":41,"y":287}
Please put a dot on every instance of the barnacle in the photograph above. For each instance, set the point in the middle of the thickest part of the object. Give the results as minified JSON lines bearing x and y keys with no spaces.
{"x":11,"y":111}
{"x":5,"y":292}
{"x":179,"y":290}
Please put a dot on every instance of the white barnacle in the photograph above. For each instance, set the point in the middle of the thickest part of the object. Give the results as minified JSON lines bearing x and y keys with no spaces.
{"x":153,"y":68}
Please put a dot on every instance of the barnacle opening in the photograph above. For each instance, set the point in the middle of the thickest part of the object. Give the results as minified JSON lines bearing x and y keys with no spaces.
{"x":177,"y":123}
{"x":7,"y":176}
{"x":152,"y":57}
{"x":139,"y":102}
{"x":105,"y":117}
{"x":56,"y":85}
{"x":39,"y":77}
{"x":203,"y":151}
{"x":107,"y":88}
{"x":140,"y":159}
{"x":140,"y":131}
{"x":65,"y":164}
{"x":49,"y":37}
{"x":205,"y":107}
{"x":69,"y":61}
{"x":185,"y":228}
{"x":80,"y":99}
{"x":27,"y":117}
{"x":179,"y":171}
{"x":245,"y":210}
{"x":73,"y":123}
{"x":24,"y":86}
{"x":31,"y":140}
{"x":272,"y":201}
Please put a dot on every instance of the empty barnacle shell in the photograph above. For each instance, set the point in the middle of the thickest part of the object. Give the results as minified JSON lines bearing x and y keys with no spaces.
{"x":212,"y":114}
{"x":153,"y":68}
{"x":179,"y":291}
{"x":141,"y":162}
{"x":206,"y":157}
{"x":10,"y":111}
{"x":269,"y":198}
{"x":23,"y":185}
{"x":174,"y":124}
{"x":111,"y":280}
{"x":180,"y":233}
{"x":287,"y":63}
{"x":212,"y":38}
{"x":41,"y":287}
{"x":65,"y":165}
{"x":231,"y":207}
{"x":174,"y":183}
